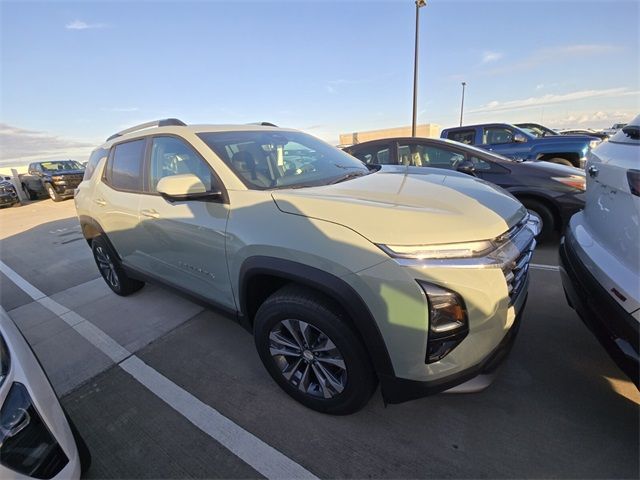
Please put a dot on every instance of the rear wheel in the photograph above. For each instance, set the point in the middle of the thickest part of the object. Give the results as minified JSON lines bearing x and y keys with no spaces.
{"x":312,"y":353}
{"x":111,"y":270}
{"x":544,"y":215}
{"x":52,"y":193}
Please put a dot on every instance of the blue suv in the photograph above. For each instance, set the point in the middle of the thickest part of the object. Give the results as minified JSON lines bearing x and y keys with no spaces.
{"x":518,"y":144}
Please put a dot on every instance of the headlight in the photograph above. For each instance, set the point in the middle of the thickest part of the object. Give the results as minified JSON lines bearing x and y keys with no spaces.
{"x":440,"y":251}
{"x":26,"y":445}
{"x":594,"y":143}
{"x":448,"y":321}
{"x":574,"y":181}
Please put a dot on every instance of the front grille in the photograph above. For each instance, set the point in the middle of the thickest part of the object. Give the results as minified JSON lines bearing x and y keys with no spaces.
{"x":517,"y":271}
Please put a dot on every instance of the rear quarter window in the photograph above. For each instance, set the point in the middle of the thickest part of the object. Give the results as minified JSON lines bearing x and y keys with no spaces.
{"x":124,"y":171}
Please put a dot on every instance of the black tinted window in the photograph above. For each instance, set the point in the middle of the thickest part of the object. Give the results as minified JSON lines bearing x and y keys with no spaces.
{"x":126,"y":163}
{"x":424,"y":155}
{"x":95,"y":157}
{"x":378,"y":154}
{"x":463,"y":136}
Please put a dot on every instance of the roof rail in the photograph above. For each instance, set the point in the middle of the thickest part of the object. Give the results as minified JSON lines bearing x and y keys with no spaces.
{"x":165,"y":122}
{"x":263,"y":124}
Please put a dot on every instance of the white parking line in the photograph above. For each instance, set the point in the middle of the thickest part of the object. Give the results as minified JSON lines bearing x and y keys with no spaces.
{"x":539,"y":266}
{"x":262,"y":457}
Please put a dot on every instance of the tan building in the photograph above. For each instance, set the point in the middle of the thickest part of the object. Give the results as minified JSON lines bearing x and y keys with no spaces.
{"x":430,"y":130}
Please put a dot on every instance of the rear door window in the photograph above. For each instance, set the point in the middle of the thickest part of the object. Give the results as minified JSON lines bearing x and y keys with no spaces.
{"x":378,"y":154}
{"x":425,"y":155}
{"x":124,"y":169}
{"x":95,"y":157}
{"x":467,"y":137}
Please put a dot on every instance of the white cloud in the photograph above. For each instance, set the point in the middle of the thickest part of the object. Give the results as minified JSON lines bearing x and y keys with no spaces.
{"x":599,"y":119}
{"x":489,"y":56}
{"x":554,"y":54}
{"x":80,"y":25}
{"x":20,"y":144}
{"x":551,"y":99}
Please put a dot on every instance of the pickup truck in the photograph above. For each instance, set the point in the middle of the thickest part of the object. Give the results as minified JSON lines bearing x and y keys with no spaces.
{"x":518,"y":144}
{"x":56,"y":178}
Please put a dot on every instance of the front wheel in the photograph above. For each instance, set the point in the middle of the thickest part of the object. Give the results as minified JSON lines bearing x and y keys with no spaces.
{"x":52,"y":193}
{"x":111,"y":270}
{"x":544,"y":216}
{"x":310,"y":350}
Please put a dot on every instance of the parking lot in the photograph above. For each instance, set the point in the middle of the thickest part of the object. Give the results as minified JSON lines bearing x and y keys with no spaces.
{"x":161,"y":387}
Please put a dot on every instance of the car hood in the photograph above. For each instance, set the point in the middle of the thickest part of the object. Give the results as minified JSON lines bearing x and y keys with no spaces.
{"x":423,"y":206}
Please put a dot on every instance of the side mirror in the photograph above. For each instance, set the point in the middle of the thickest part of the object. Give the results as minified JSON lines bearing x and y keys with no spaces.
{"x":186,"y":186}
{"x":466,"y":166}
{"x":519,"y":138}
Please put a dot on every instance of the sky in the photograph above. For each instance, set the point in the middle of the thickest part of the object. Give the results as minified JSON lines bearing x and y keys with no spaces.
{"x":73,"y":73}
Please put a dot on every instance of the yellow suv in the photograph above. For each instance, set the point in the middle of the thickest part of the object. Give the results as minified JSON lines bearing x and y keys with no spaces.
{"x":346,"y":274}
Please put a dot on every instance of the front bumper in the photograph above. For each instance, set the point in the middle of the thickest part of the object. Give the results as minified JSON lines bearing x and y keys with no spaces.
{"x":616,"y":329}
{"x":8,"y":199}
{"x":398,"y":390}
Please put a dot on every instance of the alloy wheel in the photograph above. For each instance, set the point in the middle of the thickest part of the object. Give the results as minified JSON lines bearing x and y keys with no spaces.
{"x":307,"y":358}
{"x":105,"y":264}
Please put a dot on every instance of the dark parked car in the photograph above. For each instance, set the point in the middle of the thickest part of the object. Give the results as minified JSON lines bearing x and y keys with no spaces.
{"x":551,"y":192}
{"x":519,"y":144}
{"x":56,"y":178}
{"x":8,"y":195}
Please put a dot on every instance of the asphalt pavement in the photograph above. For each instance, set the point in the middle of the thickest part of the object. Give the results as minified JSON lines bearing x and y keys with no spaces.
{"x":161,"y":387}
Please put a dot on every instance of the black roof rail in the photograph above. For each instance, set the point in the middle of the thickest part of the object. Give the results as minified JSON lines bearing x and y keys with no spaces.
{"x":263,"y":124}
{"x":165,"y":122}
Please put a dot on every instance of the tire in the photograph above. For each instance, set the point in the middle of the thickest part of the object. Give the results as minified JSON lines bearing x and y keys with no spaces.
{"x":548,"y":223}
{"x":52,"y":193}
{"x":111,"y":270}
{"x":329,"y":349}
{"x":561,"y":161}
{"x":30,"y":193}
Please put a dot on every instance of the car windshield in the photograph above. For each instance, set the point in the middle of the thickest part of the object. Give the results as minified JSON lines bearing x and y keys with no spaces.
{"x":282,"y":159}
{"x":60,"y":166}
{"x":538,"y":131}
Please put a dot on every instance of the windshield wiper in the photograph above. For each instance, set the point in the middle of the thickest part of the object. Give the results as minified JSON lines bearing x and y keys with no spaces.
{"x":348,"y":176}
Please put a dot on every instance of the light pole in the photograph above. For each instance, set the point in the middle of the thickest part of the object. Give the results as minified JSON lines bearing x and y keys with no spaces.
{"x":464,"y":84}
{"x":419,"y":3}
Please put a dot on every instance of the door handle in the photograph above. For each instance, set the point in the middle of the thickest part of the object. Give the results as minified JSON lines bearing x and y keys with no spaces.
{"x":100,"y":202}
{"x":593,"y":171}
{"x":150,"y":213}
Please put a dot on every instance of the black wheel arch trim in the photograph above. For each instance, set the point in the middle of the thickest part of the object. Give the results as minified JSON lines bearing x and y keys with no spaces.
{"x":92,"y":229}
{"x":331,"y":286}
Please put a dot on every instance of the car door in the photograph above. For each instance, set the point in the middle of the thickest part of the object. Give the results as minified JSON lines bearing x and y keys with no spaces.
{"x":116,"y":197}
{"x":501,"y":140}
{"x":184,"y":241}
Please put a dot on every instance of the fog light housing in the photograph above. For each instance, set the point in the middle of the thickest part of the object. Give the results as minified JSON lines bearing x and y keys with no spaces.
{"x":448,"y":321}
{"x":26,"y":444}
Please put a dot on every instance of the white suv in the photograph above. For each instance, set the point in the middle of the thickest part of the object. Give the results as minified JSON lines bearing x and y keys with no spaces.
{"x":600,"y":255}
{"x":346,"y":274}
